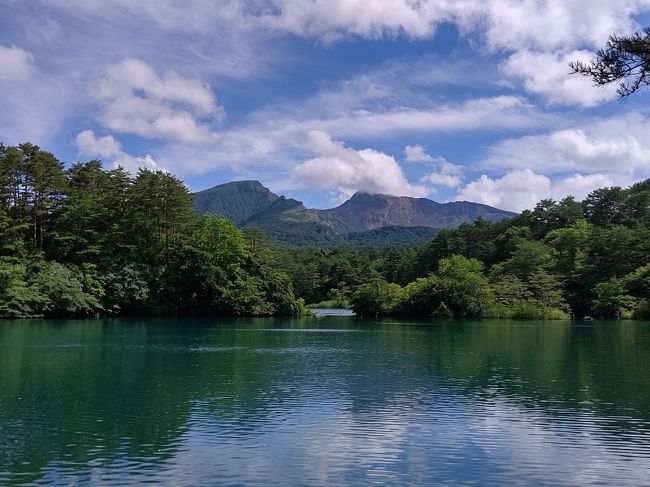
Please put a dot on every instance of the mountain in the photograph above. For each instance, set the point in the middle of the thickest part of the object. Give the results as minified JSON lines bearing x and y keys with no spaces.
{"x":371,"y":211}
{"x":365,"y":219}
{"x":238,"y":201}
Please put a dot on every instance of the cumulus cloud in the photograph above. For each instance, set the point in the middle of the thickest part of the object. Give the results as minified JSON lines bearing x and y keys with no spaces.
{"x":107,"y":147}
{"x":270,"y":135}
{"x":136,"y":100}
{"x":417,"y":153}
{"x":442,"y":179}
{"x":345,"y":171}
{"x":542,"y":36}
{"x":614,"y":145}
{"x":522,"y":189}
{"x":17,"y":64}
{"x":540,"y":24}
{"x":612,"y":151}
{"x":543,"y":32}
{"x":547,"y":74}
{"x":533,"y":39}
{"x":446,"y":173}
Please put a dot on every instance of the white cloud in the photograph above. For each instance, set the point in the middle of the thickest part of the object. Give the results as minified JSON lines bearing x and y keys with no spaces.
{"x":575,"y":161}
{"x":136,"y":100}
{"x":16,"y":64}
{"x":547,"y":74}
{"x":442,"y":179}
{"x":90,"y":145}
{"x":549,"y":24}
{"x":32,"y":102}
{"x":446,"y":174}
{"x":269,"y":136}
{"x":335,"y":18}
{"x":504,"y":24}
{"x":417,"y":153}
{"x":541,"y":35}
{"x":345,"y":170}
{"x":540,"y":24}
{"x":538,"y":37}
{"x":615,"y":145}
{"x":522,"y":189}
{"x":491,"y":113}
{"x":203,"y":39}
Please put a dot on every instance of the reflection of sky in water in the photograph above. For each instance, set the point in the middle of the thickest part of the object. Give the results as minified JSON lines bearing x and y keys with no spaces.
{"x":345,"y":405}
{"x":439,"y":437}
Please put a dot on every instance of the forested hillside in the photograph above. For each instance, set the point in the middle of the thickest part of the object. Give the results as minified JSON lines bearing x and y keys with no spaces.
{"x":85,"y":241}
{"x":364,"y":219}
{"x":589,"y":258}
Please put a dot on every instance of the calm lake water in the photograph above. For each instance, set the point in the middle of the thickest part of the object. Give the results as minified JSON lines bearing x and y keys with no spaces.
{"x":331,"y":401}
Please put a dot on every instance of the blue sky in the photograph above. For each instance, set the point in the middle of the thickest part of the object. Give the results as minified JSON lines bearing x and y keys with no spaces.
{"x":447,"y":99}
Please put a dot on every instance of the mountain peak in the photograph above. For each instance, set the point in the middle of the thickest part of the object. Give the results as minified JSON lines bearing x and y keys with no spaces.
{"x":367,"y":194}
{"x":288,"y":221}
{"x":237,"y":200}
{"x":365,"y":211}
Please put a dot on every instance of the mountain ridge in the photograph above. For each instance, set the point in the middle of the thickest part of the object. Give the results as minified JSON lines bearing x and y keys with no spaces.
{"x":289,"y":222}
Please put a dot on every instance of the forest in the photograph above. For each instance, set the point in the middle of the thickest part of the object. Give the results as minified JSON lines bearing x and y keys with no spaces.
{"x":562,"y":259}
{"x":86,"y":241}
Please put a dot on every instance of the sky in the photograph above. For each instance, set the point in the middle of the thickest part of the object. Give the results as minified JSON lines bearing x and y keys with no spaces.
{"x":317,"y":99}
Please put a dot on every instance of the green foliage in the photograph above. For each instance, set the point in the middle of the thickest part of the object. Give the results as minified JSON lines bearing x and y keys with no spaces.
{"x":560,"y":259}
{"x":391,"y":236}
{"x":624,"y":60}
{"x":642,"y":312}
{"x":422,"y":296}
{"x":64,"y":287}
{"x":336,"y":299}
{"x":125,"y":290}
{"x":85,"y":241}
{"x":612,"y":301}
{"x":42,"y":288}
{"x":376,"y":297}
{"x":569,"y":245}
{"x":17,"y":299}
{"x":524,"y":310}
{"x":464,"y":288}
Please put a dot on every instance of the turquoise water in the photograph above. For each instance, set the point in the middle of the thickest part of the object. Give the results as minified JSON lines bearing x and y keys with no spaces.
{"x":330,"y":401}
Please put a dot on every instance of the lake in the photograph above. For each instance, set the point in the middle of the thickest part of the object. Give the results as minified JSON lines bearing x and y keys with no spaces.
{"x":329,"y":401}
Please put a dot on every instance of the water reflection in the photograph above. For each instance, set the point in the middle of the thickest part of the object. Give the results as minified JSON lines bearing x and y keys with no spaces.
{"x":321,"y":402}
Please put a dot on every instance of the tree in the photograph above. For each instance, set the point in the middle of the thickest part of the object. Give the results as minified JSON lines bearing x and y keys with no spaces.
{"x":45,"y":184}
{"x":624,"y":60}
{"x":17,"y":298}
{"x":161,"y":209}
{"x":569,"y":245}
{"x":376,"y":297}
{"x":91,"y":227}
{"x":464,"y":289}
{"x":612,"y":301}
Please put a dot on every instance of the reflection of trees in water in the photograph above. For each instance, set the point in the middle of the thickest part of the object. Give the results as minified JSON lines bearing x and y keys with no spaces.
{"x":78,"y":391}
{"x":552,"y":366}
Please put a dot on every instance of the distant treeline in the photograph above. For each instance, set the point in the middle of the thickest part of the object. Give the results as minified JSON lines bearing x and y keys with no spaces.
{"x":589,"y":258}
{"x":85,"y":241}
